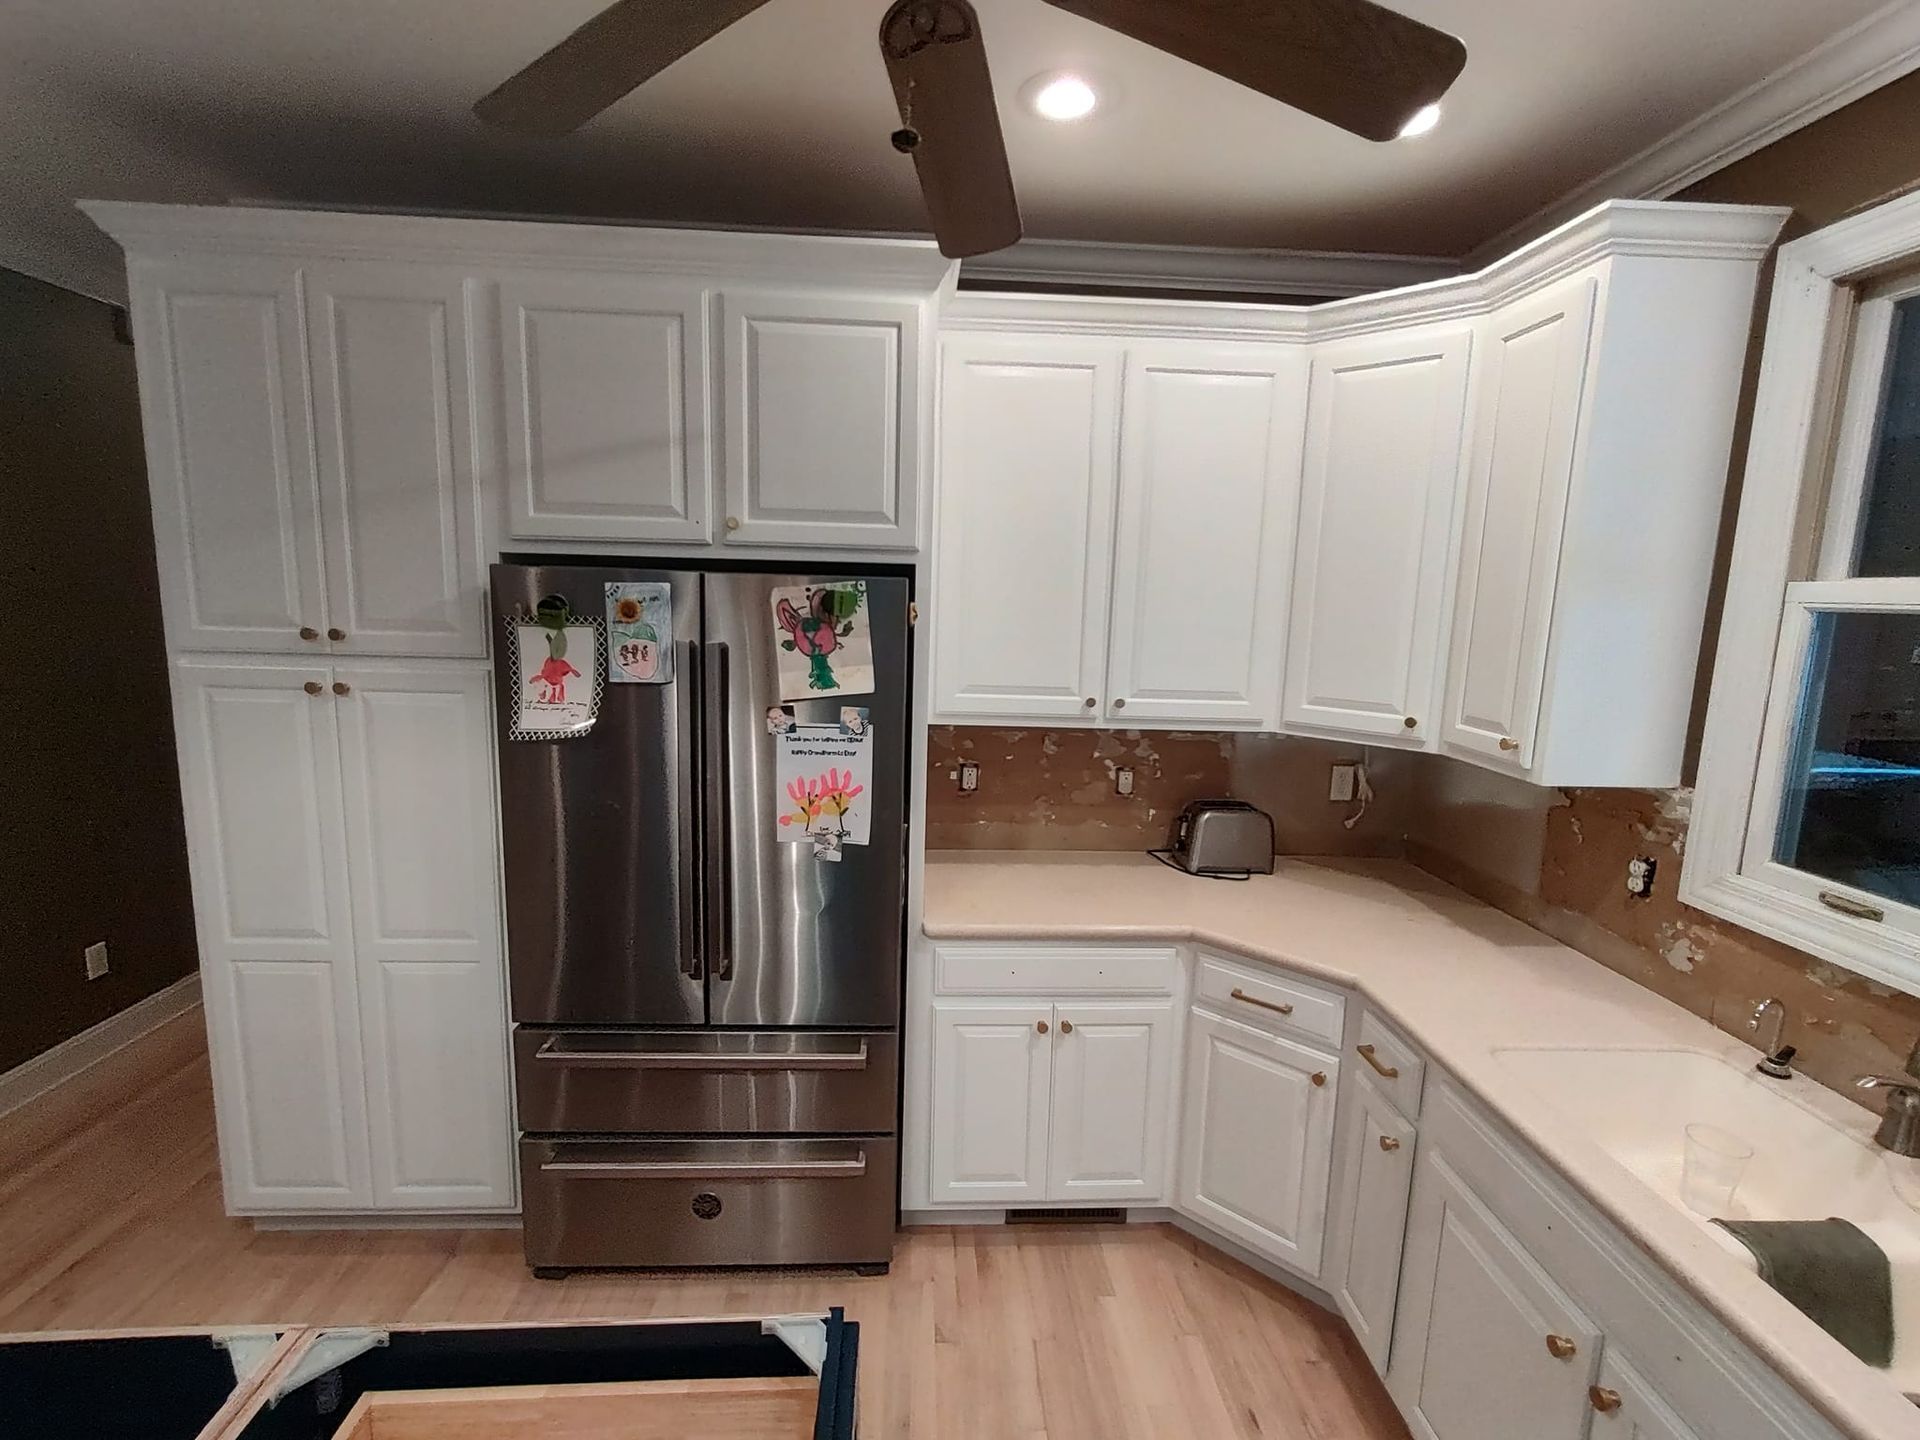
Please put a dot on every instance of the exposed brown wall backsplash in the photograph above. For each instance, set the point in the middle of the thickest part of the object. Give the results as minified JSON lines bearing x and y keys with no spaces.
{"x":1053,"y":789}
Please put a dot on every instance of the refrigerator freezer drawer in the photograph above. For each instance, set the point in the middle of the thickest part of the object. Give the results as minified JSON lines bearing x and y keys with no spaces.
{"x":707,"y":1202}
{"x":704,"y":1082}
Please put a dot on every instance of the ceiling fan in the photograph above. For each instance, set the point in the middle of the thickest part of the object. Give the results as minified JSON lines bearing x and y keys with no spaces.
{"x":1353,"y":63}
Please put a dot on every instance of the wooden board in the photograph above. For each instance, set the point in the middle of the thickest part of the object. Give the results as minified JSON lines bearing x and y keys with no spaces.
{"x":740,"y":1409}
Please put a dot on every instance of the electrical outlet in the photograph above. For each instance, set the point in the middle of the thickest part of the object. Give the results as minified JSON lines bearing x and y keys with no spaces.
{"x":969,"y":776}
{"x":96,"y":960}
{"x":1341,"y":788}
{"x":1123,"y":780}
{"x":1640,"y":876}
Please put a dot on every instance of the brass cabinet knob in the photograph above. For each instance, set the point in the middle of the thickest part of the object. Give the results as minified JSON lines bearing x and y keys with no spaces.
{"x":1561,"y":1348}
{"x":1507,"y":742}
{"x":1066,"y":1027}
{"x":1604,"y":1400}
{"x":334,"y":632}
{"x":1119,"y":704}
{"x":1389,"y":1144}
{"x":340,"y":687}
{"x":1090,"y":702}
{"x":313,"y":687}
{"x":733,"y":522}
{"x":1411,"y":723}
{"x":307,"y":632}
{"x":1319,"y":1077}
{"x":1041,"y":1026}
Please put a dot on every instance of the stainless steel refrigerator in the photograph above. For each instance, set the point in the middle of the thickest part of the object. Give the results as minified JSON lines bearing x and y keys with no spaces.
{"x":706,"y":1050}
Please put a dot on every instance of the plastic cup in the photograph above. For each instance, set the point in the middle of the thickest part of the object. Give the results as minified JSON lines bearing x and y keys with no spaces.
{"x":1711,"y":1169}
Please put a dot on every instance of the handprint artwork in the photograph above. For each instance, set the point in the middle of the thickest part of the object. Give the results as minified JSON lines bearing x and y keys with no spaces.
{"x":824,"y":645}
{"x":558,"y":697}
{"x":821,"y":804}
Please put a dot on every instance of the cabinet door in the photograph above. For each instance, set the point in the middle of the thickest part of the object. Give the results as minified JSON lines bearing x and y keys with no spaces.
{"x":417,"y":766}
{"x":1487,"y":1345}
{"x":1530,"y":375}
{"x":991,"y":1078}
{"x":223,"y":385}
{"x":1209,"y":455}
{"x":393,"y":429}
{"x":260,"y":776}
{"x":823,"y":419}
{"x":1029,"y":434}
{"x":1384,"y":421}
{"x":607,"y":409}
{"x":1257,"y":1139}
{"x":1376,"y":1157}
{"x":1626,"y":1407}
{"x":1111,"y":1081}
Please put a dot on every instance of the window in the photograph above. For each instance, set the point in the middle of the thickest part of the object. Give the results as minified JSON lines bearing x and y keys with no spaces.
{"x":1807,"y":812}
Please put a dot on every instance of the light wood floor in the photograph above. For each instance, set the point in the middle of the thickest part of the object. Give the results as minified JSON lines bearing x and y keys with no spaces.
{"x":110,"y":1209}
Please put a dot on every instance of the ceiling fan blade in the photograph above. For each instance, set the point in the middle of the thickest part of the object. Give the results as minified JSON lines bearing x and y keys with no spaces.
{"x":1352,"y":63}
{"x":951,"y":127}
{"x":627,"y":43}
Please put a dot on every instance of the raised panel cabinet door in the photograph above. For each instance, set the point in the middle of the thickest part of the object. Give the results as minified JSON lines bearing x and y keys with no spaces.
{"x":260,"y":775}
{"x":607,"y":408}
{"x":1487,"y":1347}
{"x":417,"y":774}
{"x":1209,"y":458}
{"x":223,"y":398}
{"x":393,"y":433}
{"x":1376,"y":1156}
{"x":1029,"y":440}
{"x":1626,"y":1407}
{"x":822,"y":400}
{"x":1257,"y":1139}
{"x":1530,"y":378}
{"x":991,"y":1079}
{"x":1381,"y":473}
{"x":1111,"y":1083}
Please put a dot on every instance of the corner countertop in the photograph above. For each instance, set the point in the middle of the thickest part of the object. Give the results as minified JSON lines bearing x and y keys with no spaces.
{"x":1463,"y":980}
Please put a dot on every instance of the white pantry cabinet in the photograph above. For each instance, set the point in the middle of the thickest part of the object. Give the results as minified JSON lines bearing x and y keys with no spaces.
{"x":342,"y":840}
{"x":1384,"y":430}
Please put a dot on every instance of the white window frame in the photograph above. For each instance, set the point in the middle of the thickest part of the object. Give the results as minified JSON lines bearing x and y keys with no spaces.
{"x":1815,"y":412}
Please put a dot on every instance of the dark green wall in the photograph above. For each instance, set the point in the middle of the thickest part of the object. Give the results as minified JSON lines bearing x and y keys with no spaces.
{"x":91,"y":840}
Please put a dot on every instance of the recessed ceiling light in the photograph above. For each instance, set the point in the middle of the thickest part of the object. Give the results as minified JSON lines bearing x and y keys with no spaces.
{"x":1420,"y":122}
{"x":1061,"y":97}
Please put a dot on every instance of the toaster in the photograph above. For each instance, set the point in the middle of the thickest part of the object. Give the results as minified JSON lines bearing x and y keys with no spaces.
{"x":1225,"y":838}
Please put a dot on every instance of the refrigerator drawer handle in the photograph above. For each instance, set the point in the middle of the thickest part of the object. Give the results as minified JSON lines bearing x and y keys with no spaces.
{"x":855,"y":1059}
{"x":694,"y":1170}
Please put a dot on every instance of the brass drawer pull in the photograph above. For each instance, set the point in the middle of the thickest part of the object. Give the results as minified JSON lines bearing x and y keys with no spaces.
{"x":1388,"y":1072}
{"x":1561,"y":1348}
{"x":1272,"y":1005}
{"x":1604,"y":1400}
{"x":1847,"y":905}
{"x":1389,"y":1144}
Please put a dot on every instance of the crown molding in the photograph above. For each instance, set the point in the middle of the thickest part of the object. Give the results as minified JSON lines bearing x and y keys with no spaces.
{"x":1880,"y":49}
{"x":1228,"y":272}
{"x":160,"y":232}
{"x":1617,"y":228}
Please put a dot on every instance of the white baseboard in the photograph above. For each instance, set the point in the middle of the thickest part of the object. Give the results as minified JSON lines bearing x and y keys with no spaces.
{"x":71,"y":1058}
{"x":377,"y":1220}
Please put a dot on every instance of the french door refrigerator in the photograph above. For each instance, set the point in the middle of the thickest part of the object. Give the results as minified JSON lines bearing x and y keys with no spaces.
{"x":706,"y":1015}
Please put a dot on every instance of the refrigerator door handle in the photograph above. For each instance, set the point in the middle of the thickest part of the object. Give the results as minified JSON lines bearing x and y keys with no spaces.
{"x":720,"y":804}
{"x":854,"y":1059}
{"x":708,"y":1170}
{"x":688,"y":838}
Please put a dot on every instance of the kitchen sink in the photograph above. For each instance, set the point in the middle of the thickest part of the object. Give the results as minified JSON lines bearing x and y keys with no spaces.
{"x":1813,"y":1150}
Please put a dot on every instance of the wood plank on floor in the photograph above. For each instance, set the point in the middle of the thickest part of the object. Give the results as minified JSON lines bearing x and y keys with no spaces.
{"x":110,"y":1199}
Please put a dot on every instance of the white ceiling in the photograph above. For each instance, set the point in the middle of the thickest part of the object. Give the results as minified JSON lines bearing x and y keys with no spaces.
{"x":783,"y":120}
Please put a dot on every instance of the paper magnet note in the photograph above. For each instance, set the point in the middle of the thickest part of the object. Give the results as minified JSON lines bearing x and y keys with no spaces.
{"x":825,"y":780}
{"x":640,"y":633}
{"x":854,"y":719}
{"x":558,"y":670}
{"x":824,"y":644}
{"x":780,"y":719}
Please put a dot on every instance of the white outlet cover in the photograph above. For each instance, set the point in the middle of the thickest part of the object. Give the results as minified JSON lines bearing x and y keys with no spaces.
{"x":1341,"y":787}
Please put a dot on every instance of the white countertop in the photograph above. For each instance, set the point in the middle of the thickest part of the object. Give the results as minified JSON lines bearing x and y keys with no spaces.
{"x":1463,"y":980}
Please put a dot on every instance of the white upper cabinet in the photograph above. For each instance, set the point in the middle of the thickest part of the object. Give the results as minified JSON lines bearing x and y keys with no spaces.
{"x":606,"y":408}
{"x":393,"y":432}
{"x":1530,"y":386}
{"x":229,"y":454}
{"x":1384,"y":423}
{"x":1028,"y":442}
{"x":1208,"y":439}
{"x":822,"y":399}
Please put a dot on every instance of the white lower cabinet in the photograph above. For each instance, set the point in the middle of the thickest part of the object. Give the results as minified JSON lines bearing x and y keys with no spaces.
{"x":345,"y":879}
{"x":1376,"y":1150}
{"x":1042,"y":1103}
{"x":1257,"y":1138}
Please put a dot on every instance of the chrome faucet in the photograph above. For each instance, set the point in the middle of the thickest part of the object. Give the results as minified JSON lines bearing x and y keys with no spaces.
{"x":1900,"y":1126}
{"x":1777,"y":1063}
